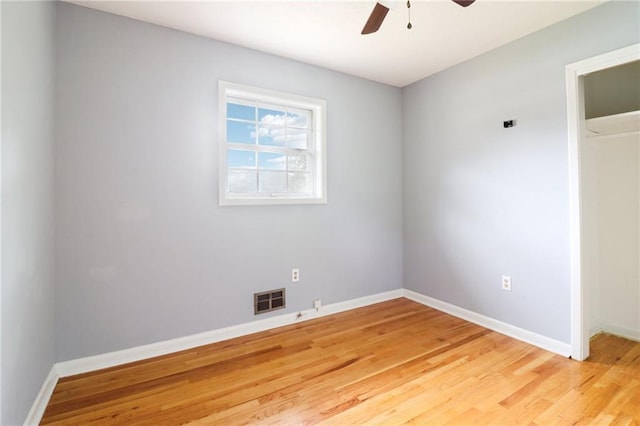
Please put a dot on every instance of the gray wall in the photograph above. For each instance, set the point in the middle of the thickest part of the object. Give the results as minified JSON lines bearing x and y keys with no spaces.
{"x":28,"y":348}
{"x":144,"y":253}
{"x":481,"y":201}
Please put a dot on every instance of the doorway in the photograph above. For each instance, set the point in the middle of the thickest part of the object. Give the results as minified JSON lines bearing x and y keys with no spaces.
{"x":581,"y":251}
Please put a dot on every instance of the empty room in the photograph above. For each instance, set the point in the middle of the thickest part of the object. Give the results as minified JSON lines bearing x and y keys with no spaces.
{"x":320,"y":212}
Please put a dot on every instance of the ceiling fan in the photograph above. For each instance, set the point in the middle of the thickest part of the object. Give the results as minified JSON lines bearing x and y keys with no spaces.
{"x":379,"y":12}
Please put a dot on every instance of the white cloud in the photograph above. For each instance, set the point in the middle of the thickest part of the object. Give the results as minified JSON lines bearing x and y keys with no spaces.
{"x":278,"y":128}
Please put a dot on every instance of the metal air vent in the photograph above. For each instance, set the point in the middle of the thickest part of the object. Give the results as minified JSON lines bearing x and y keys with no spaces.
{"x":268,"y":301}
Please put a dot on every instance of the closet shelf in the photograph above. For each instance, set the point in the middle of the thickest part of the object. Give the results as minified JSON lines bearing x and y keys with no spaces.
{"x":611,"y":124}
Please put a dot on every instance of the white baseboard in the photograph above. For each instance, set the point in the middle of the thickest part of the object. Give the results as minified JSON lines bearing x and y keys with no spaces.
{"x":594,"y":330}
{"x":538,"y":340}
{"x":627,"y":333}
{"x":42,"y":399}
{"x":110,"y":359}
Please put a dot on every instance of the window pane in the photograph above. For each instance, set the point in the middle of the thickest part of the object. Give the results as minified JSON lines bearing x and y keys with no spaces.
{"x":297,"y":138}
{"x":299,"y":118}
{"x":240,"y":158}
{"x":300,"y":183}
{"x":242,"y":181}
{"x":273,"y":182}
{"x":273,"y":136}
{"x":272,"y":161}
{"x":243,"y":112}
{"x":239,"y":132}
{"x":298,"y":162}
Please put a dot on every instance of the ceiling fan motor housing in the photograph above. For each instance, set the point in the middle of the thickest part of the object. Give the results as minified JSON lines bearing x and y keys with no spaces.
{"x":380,"y":11}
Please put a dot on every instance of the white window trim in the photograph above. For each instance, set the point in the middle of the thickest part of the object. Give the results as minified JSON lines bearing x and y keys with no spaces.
{"x":318,"y":108}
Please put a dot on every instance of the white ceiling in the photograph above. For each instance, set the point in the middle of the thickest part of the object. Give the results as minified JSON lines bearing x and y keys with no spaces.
{"x":327,"y":32}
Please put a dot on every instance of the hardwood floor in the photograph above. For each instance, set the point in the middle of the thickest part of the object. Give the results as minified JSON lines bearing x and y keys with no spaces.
{"x":390,"y":363}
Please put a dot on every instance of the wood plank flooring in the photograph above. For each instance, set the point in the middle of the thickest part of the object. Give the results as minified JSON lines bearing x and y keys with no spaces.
{"x":391,"y":363}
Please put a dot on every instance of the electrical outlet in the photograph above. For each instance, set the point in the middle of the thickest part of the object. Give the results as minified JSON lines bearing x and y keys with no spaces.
{"x":295,"y":275}
{"x":317,"y":304}
{"x":506,"y":283}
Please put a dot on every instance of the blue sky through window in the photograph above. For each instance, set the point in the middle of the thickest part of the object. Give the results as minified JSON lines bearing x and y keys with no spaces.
{"x":241,"y":112}
{"x":272,"y":161}
{"x":240,"y":158}
{"x":270,"y":135}
{"x":274,"y":127}
{"x":240,"y":132}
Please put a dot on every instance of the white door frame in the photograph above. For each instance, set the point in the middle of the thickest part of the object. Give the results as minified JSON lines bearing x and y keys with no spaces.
{"x":575,"y":117}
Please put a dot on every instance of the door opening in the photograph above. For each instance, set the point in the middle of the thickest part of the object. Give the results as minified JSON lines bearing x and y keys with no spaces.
{"x":575,"y":74}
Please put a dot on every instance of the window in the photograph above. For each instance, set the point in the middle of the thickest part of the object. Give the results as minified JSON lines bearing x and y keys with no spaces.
{"x":272,"y":147}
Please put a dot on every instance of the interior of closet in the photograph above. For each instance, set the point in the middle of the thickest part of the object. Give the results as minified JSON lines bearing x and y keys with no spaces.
{"x":610,"y":178}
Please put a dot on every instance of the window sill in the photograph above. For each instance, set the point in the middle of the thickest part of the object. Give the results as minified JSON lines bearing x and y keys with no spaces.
{"x":269,"y":201}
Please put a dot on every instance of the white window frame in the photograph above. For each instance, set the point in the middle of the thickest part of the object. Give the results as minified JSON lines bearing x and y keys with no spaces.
{"x":317,"y":107}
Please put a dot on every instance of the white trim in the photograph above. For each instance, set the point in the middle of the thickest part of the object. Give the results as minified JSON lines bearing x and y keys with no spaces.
{"x":526,"y":336}
{"x":627,"y":333}
{"x":1,"y":145}
{"x":579,"y":346}
{"x":618,"y":135}
{"x":110,"y":359}
{"x":138,"y":353}
{"x":626,"y":122}
{"x":594,"y":330}
{"x":42,"y":399}
{"x":575,"y":128}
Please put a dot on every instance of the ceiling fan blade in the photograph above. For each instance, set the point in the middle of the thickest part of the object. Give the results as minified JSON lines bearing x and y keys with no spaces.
{"x":464,"y":3}
{"x":375,"y":19}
